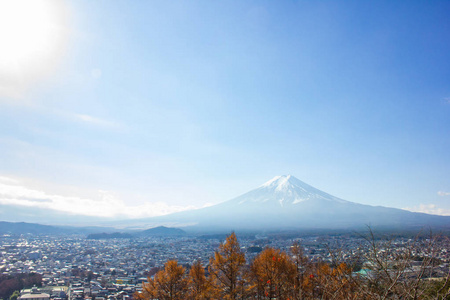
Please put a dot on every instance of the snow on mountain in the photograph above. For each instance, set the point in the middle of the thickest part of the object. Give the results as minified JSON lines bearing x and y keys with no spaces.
{"x":285,"y":202}
{"x":286,"y":190}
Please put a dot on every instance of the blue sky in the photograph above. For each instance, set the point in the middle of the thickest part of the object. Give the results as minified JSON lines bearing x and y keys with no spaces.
{"x":157,"y":106}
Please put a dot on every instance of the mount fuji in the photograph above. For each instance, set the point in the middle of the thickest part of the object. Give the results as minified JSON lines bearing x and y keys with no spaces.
{"x":285,"y":202}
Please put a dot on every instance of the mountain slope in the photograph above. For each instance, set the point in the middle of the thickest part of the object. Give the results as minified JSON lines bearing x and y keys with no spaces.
{"x":30,"y":214}
{"x":285,"y":202}
{"x":33,"y":228}
{"x":284,"y":190}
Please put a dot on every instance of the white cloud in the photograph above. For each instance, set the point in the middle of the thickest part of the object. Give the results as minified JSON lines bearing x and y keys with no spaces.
{"x":95,"y":121}
{"x":86,"y":119}
{"x":105,"y":204}
{"x":10,"y":93}
{"x":8,"y":180}
{"x":443,"y":194}
{"x":429,"y":209}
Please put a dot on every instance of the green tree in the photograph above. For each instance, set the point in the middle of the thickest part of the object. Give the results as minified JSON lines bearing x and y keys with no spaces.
{"x":14,"y":295}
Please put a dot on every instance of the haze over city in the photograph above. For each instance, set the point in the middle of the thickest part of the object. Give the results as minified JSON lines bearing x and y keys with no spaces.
{"x":136,"y":109}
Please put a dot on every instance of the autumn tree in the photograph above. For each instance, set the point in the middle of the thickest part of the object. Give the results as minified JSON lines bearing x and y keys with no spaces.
{"x":387,"y":269}
{"x":226,"y":268}
{"x":303,"y":269}
{"x":335,"y":282}
{"x":273,"y":275}
{"x":168,"y":284}
{"x":16,"y":282}
{"x":200,"y":287}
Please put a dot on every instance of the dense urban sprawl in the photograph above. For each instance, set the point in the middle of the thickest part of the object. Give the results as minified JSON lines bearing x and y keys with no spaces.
{"x":75,"y":268}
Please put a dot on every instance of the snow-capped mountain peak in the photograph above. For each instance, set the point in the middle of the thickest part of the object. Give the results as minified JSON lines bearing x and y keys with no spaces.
{"x":285,"y":202}
{"x":279,"y":182}
{"x":285,"y":190}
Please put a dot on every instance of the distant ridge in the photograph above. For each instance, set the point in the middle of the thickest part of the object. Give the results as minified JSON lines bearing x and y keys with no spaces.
{"x":285,"y":202}
{"x":93,"y":232}
{"x":33,"y":228}
{"x":24,"y":228}
{"x":107,"y":236}
{"x":162,"y":231}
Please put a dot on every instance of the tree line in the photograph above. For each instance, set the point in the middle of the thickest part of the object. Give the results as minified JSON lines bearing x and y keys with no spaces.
{"x":389,"y":272}
{"x":10,"y":285}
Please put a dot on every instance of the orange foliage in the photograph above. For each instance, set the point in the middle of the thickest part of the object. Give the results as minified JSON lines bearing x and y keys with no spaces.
{"x":275,"y":274}
{"x":272,"y":275}
{"x":226,"y":268}
{"x":168,"y":284}
{"x":200,"y":287}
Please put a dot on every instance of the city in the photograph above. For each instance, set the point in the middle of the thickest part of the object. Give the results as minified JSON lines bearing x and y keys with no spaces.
{"x":74,"y":267}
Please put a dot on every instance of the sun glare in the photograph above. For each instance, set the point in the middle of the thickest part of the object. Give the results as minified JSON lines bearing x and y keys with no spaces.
{"x":32,"y":35}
